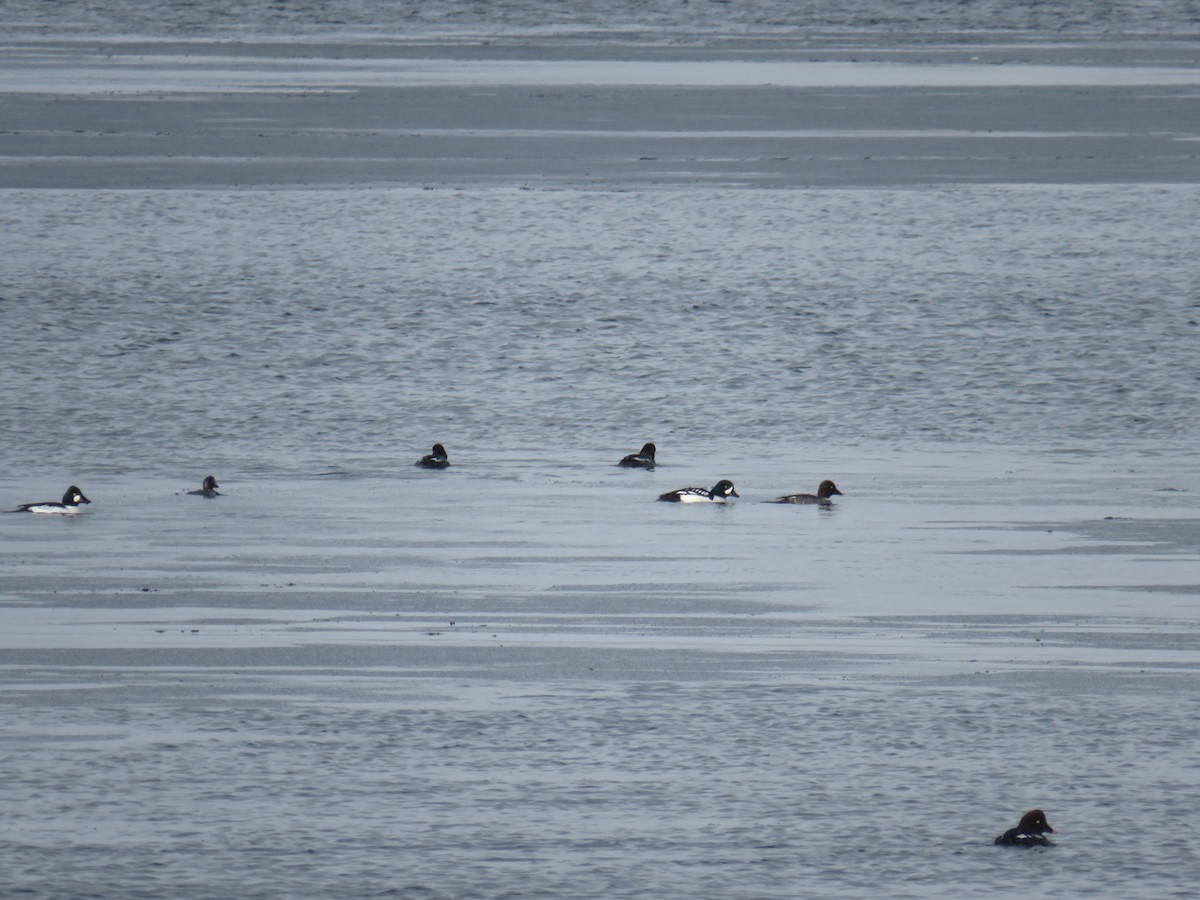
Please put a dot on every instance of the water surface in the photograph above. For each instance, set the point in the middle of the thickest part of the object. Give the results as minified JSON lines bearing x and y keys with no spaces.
{"x":974,"y":308}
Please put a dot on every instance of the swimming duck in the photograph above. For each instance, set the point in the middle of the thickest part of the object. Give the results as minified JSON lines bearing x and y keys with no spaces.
{"x":643,"y":459}
{"x":71,"y":502}
{"x":208,"y":488}
{"x":437,"y":459}
{"x":1030,"y":832}
{"x":720,"y":491}
{"x":825,"y":490}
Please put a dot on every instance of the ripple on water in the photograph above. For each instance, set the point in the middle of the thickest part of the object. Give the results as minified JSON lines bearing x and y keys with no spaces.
{"x":310,"y":323}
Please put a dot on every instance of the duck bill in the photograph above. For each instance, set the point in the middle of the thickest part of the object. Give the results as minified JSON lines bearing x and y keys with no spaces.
{"x":734,"y":494}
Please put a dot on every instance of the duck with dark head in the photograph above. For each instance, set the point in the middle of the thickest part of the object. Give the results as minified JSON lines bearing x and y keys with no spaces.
{"x":1030,"y":832}
{"x":436,"y":459}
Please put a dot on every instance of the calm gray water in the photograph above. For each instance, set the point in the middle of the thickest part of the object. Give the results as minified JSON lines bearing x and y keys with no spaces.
{"x":522,"y":677}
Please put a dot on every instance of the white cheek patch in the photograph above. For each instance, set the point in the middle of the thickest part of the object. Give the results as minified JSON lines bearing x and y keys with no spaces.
{"x":76,"y":498}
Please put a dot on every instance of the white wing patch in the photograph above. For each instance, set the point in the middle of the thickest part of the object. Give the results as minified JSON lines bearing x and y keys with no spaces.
{"x":54,"y":508}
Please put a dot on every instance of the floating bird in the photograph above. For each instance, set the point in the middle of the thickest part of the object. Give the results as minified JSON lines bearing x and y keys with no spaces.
{"x":1030,"y":832}
{"x":435,"y":460}
{"x":825,"y":490}
{"x":720,"y":491}
{"x":208,"y":488}
{"x":643,"y":459}
{"x":71,"y":502}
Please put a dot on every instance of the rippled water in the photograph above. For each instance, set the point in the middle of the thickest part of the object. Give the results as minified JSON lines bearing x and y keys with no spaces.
{"x":654,"y":790}
{"x":500,"y":16}
{"x":317,"y":328}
